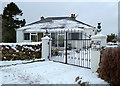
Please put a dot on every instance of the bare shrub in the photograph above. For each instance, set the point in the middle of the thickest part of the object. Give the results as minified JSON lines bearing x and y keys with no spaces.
{"x":109,"y":67}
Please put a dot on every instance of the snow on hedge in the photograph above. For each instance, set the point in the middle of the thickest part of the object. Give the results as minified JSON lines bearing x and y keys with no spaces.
{"x":20,"y":51}
{"x":22,"y":43}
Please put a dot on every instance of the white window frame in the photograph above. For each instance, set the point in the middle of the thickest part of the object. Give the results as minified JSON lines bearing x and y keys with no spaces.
{"x":33,"y":34}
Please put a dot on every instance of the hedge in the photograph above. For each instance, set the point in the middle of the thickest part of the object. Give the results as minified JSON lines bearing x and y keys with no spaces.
{"x":20,"y":52}
{"x":109,"y":67}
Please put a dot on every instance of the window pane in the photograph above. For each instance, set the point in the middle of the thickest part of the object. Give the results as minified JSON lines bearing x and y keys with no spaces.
{"x":34,"y":37}
{"x":54,"y":41}
{"x":53,"y":36}
{"x":33,"y":33}
{"x":80,"y":36}
{"x":74,"y":36}
{"x":26,"y":36}
{"x":40,"y":35}
{"x":61,"y":40}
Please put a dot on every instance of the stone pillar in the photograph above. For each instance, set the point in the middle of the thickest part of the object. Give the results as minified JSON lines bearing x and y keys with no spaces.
{"x":98,"y":41}
{"x":45,"y":47}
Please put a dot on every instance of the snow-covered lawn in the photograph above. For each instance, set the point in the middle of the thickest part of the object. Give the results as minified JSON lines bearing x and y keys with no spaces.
{"x":46,"y":72}
{"x":17,"y":62}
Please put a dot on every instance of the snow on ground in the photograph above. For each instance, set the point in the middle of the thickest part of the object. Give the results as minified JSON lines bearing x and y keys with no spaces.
{"x":5,"y":63}
{"x":11,"y":62}
{"x":47,"y":72}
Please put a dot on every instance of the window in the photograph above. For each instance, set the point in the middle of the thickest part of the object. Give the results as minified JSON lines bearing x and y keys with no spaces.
{"x":61,"y":40}
{"x":33,"y":37}
{"x":54,"y":39}
{"x":80,"y":35}
{"x":53,"y":36}
{"x":33,"y":34}
{"x":75,"y":36}
{"x":57,"y":39}
{"x":26,"y":36}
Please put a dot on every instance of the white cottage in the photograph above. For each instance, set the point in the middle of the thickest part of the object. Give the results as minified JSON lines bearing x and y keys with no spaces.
{"x":56,"y":27}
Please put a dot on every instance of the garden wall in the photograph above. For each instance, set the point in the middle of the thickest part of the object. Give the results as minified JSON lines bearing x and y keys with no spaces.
{"x":17,"y":51}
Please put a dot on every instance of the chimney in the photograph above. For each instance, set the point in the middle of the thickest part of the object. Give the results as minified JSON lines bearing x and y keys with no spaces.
{"x":42,"y":18}
{"x":73,"y":16}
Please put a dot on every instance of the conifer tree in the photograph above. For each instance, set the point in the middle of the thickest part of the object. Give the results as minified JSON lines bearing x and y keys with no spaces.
{"x":10,"y":22}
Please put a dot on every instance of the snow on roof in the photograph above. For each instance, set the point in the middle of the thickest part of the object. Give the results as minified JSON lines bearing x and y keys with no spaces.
{"x":66,"y":30}
{"x":54,"y":24}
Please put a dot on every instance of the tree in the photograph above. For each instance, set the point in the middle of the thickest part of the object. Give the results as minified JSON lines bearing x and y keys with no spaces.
{"x":10,"y":22}
{"x":111,"y":38}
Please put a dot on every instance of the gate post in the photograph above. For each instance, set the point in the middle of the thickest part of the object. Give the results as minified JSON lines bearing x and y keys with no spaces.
{"x":45,"y":48}
{"x":98,"y":41}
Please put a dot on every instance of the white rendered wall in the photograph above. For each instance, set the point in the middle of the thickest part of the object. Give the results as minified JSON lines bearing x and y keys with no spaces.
{"x":96,"y":48}
{"x":19,"y":37}
{"x":45,"y":48}
{"x":95,"y":60}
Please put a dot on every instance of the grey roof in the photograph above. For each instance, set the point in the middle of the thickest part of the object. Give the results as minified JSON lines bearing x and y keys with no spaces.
{"x":49,"y":19}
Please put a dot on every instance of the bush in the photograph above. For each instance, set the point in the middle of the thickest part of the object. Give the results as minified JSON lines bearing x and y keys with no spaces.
{"x":21,"y":52}
{"x":109,"y":68}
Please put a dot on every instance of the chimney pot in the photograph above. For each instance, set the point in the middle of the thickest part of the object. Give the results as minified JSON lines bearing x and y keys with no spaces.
{"x":72,"y":15}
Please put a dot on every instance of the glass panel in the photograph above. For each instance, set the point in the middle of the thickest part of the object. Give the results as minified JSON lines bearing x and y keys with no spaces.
{"x":80,"y":36}
{"x":40,"y":35}
{"x":74,"y":36}
{"x":33,"y":37}
{"x":33,"y":33}
{"x":53,"y":35}
{"x":54,"y":40}
{"x":26,"y":36}
{"x":61,"y":40}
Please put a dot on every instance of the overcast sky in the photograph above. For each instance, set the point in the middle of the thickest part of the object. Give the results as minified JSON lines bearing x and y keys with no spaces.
{"x":88,"y":12}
